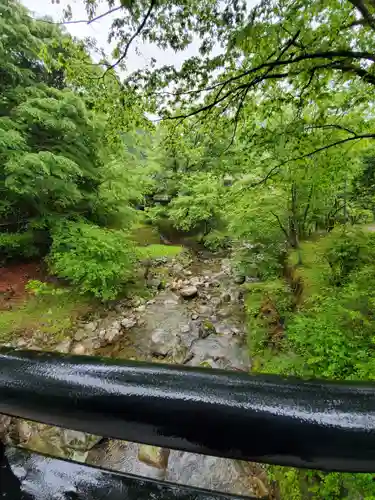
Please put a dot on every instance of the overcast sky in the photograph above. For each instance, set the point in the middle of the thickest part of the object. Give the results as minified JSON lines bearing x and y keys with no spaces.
{"x":100,"y":29}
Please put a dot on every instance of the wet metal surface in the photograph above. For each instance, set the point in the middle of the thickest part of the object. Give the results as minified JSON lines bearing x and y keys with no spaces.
{"x":27,"y":476}
{"x":260,"y":418}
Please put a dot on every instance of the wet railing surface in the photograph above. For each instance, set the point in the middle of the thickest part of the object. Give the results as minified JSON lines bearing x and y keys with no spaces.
{"x":269,"y":419}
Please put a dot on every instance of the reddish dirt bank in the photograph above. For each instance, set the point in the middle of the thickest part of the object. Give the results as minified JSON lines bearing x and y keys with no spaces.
{"x":13,"y":279}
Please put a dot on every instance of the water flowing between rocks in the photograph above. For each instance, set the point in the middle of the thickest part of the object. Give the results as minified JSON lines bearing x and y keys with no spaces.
{"x":195,"y":318}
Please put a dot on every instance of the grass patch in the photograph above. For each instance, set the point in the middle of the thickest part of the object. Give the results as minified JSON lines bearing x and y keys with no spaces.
{"x":309,"y":265}
{"x":50,"y":315}
{"x":158,"y":251}
{"x":144,"y":234}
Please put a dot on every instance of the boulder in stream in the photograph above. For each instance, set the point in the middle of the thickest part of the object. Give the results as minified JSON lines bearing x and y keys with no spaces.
{"x":153,"y":456}
{"x":189,"y":292}
{"x":161,"y":343}
{"x":128,"y":323}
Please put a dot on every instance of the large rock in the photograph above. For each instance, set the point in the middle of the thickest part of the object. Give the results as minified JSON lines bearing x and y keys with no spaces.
{"x":79,"y":441}
{"x":239,"y":279}
{"x":24,"y":431}
{"x":63,"y":346}
{"x":153,"y":456}
{"x":81,"y":334}
{"x":161,"y":342}
{"x":189,"y":292}
{"x":122,"y":457}
{"x":225,"y":297}
{"x":128,"y":322}
{"x":90,"y":327}
{"x":111,"y":335}
{"x":5,"y":422}
{"x":87,"y":347}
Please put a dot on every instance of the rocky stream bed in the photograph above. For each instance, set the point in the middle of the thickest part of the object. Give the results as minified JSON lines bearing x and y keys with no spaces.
{"x":196,"y":318}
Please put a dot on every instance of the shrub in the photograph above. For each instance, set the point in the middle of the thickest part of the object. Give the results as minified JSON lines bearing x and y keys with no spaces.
{"x":263,"y":261}
{"x":329,"y":335}
{"x":348,"y":251}
{"x":41,"y":288}
{"x":95,"y":259}
{"x":216,"y":240}
{"x":17,"y":245}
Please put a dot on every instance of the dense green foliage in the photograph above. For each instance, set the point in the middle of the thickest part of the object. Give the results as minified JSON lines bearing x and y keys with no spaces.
{"x":70,"y":174}
{"x":319,"y":324}
{"x":97,"y":260}
{"x":265,"y":150}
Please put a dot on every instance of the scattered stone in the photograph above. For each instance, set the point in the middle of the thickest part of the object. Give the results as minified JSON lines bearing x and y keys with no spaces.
{"x":48,"y":440}
{"x":189,"y":292}
{"x":252,"y":279}
{"x":177,"y":268}
{"x":118,"y":308}
{"x":226,"y":266}
{"x":171,"y":302}
{"x":63,"y":346}
{"x":91,"y":327}
{"x":203,"y":334}
{"x":86,"y":347}
{"x":160,"y":260}
{"x":5,"y":422}
{"x":22,"y":343}
{"x":112,"y":334}
{"x":160,"y":341}
{"x":222,"y":329}
{"x":188,"y":273}
{"x":204,"y":310}
{"x":128,"y":322}
{"x":194,"y":316}
{"x":153,"y":456}
{"x":236,"y":295}
{"x":223,"y":313}
{"x":155,"y":283}
{"x":225,"y":297}
{"x":239,"y":279}
{"x":24,"y":431}
{"x":215,"y":283}
{"x":208,"y":363}
{"x":207,"y":328}
{"x":79,"y":349}
{"x":188,"y":358}
{"x":80,"y":334}
{"x":150,"y":302}
{"x":195,"y":281}
{"x":141,"y":308}
{"x":80,"y":441}
{"x":215,"y":301}
{"x":185,"y":329}
{"x":260,"y":488}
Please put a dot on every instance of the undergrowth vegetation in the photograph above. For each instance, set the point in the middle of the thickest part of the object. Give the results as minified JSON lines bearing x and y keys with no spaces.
{"x":262,"y":149}
{"x":51,"y":316}
{"x":319,"y":322}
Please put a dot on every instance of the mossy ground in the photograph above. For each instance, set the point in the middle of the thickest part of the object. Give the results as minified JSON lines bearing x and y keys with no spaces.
{"x":50,"y":315}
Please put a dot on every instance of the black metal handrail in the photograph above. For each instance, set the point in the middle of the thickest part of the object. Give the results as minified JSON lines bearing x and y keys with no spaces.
{"x":276,"y":420}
